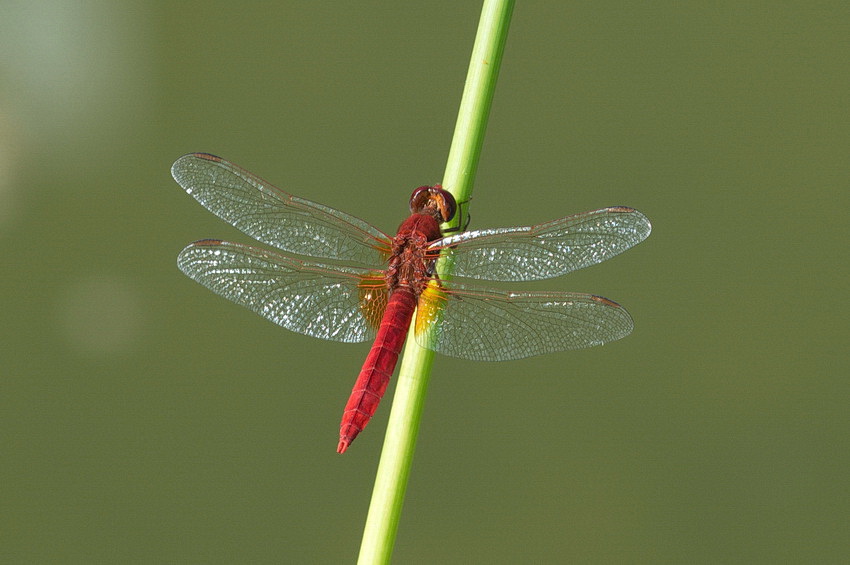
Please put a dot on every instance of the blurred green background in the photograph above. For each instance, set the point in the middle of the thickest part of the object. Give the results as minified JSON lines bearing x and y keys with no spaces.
{"x":146,"y":420}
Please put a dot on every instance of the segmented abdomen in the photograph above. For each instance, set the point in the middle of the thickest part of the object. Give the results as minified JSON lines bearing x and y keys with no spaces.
{"x":379,"y":366}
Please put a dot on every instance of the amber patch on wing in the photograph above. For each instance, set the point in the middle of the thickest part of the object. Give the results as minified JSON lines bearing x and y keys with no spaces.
{"x":432,"y":302}
{"x":373,"y":299}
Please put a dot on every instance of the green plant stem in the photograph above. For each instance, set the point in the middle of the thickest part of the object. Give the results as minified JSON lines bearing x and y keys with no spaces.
{"x":400,"y":441}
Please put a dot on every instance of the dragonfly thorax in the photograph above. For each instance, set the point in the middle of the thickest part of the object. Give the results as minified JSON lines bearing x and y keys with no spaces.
{"x":411,"y":262}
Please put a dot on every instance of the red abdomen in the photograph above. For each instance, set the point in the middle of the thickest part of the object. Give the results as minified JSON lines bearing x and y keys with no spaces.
{"x":379,"y":366}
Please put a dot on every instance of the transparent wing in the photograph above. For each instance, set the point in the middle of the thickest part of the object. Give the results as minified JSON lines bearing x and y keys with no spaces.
{"x":335,"y":303}
{"x":274,"y":217}
{"x":546,"y":250}
{"x":489,"y":325}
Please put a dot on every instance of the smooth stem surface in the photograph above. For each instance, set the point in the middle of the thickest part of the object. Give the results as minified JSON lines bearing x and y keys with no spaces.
{"x":400,"y":441}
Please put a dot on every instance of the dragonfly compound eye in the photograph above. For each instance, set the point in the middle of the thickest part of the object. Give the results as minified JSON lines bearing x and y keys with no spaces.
{"x":433,"y":200}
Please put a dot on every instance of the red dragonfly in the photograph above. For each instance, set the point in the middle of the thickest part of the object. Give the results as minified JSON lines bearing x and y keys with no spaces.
{"x":372,"y":283}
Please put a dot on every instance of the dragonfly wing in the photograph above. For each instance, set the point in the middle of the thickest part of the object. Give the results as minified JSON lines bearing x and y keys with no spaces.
{"x":335,"y":303}
{"x":546,"y":250}
{"x":490,"y":325}
{"x":274,"y":217}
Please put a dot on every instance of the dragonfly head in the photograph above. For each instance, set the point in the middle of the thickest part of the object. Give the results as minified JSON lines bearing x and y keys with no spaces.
{"x":433,"y":201}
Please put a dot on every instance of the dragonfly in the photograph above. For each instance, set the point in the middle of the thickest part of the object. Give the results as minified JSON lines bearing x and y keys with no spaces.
{"x":336,"y":277}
